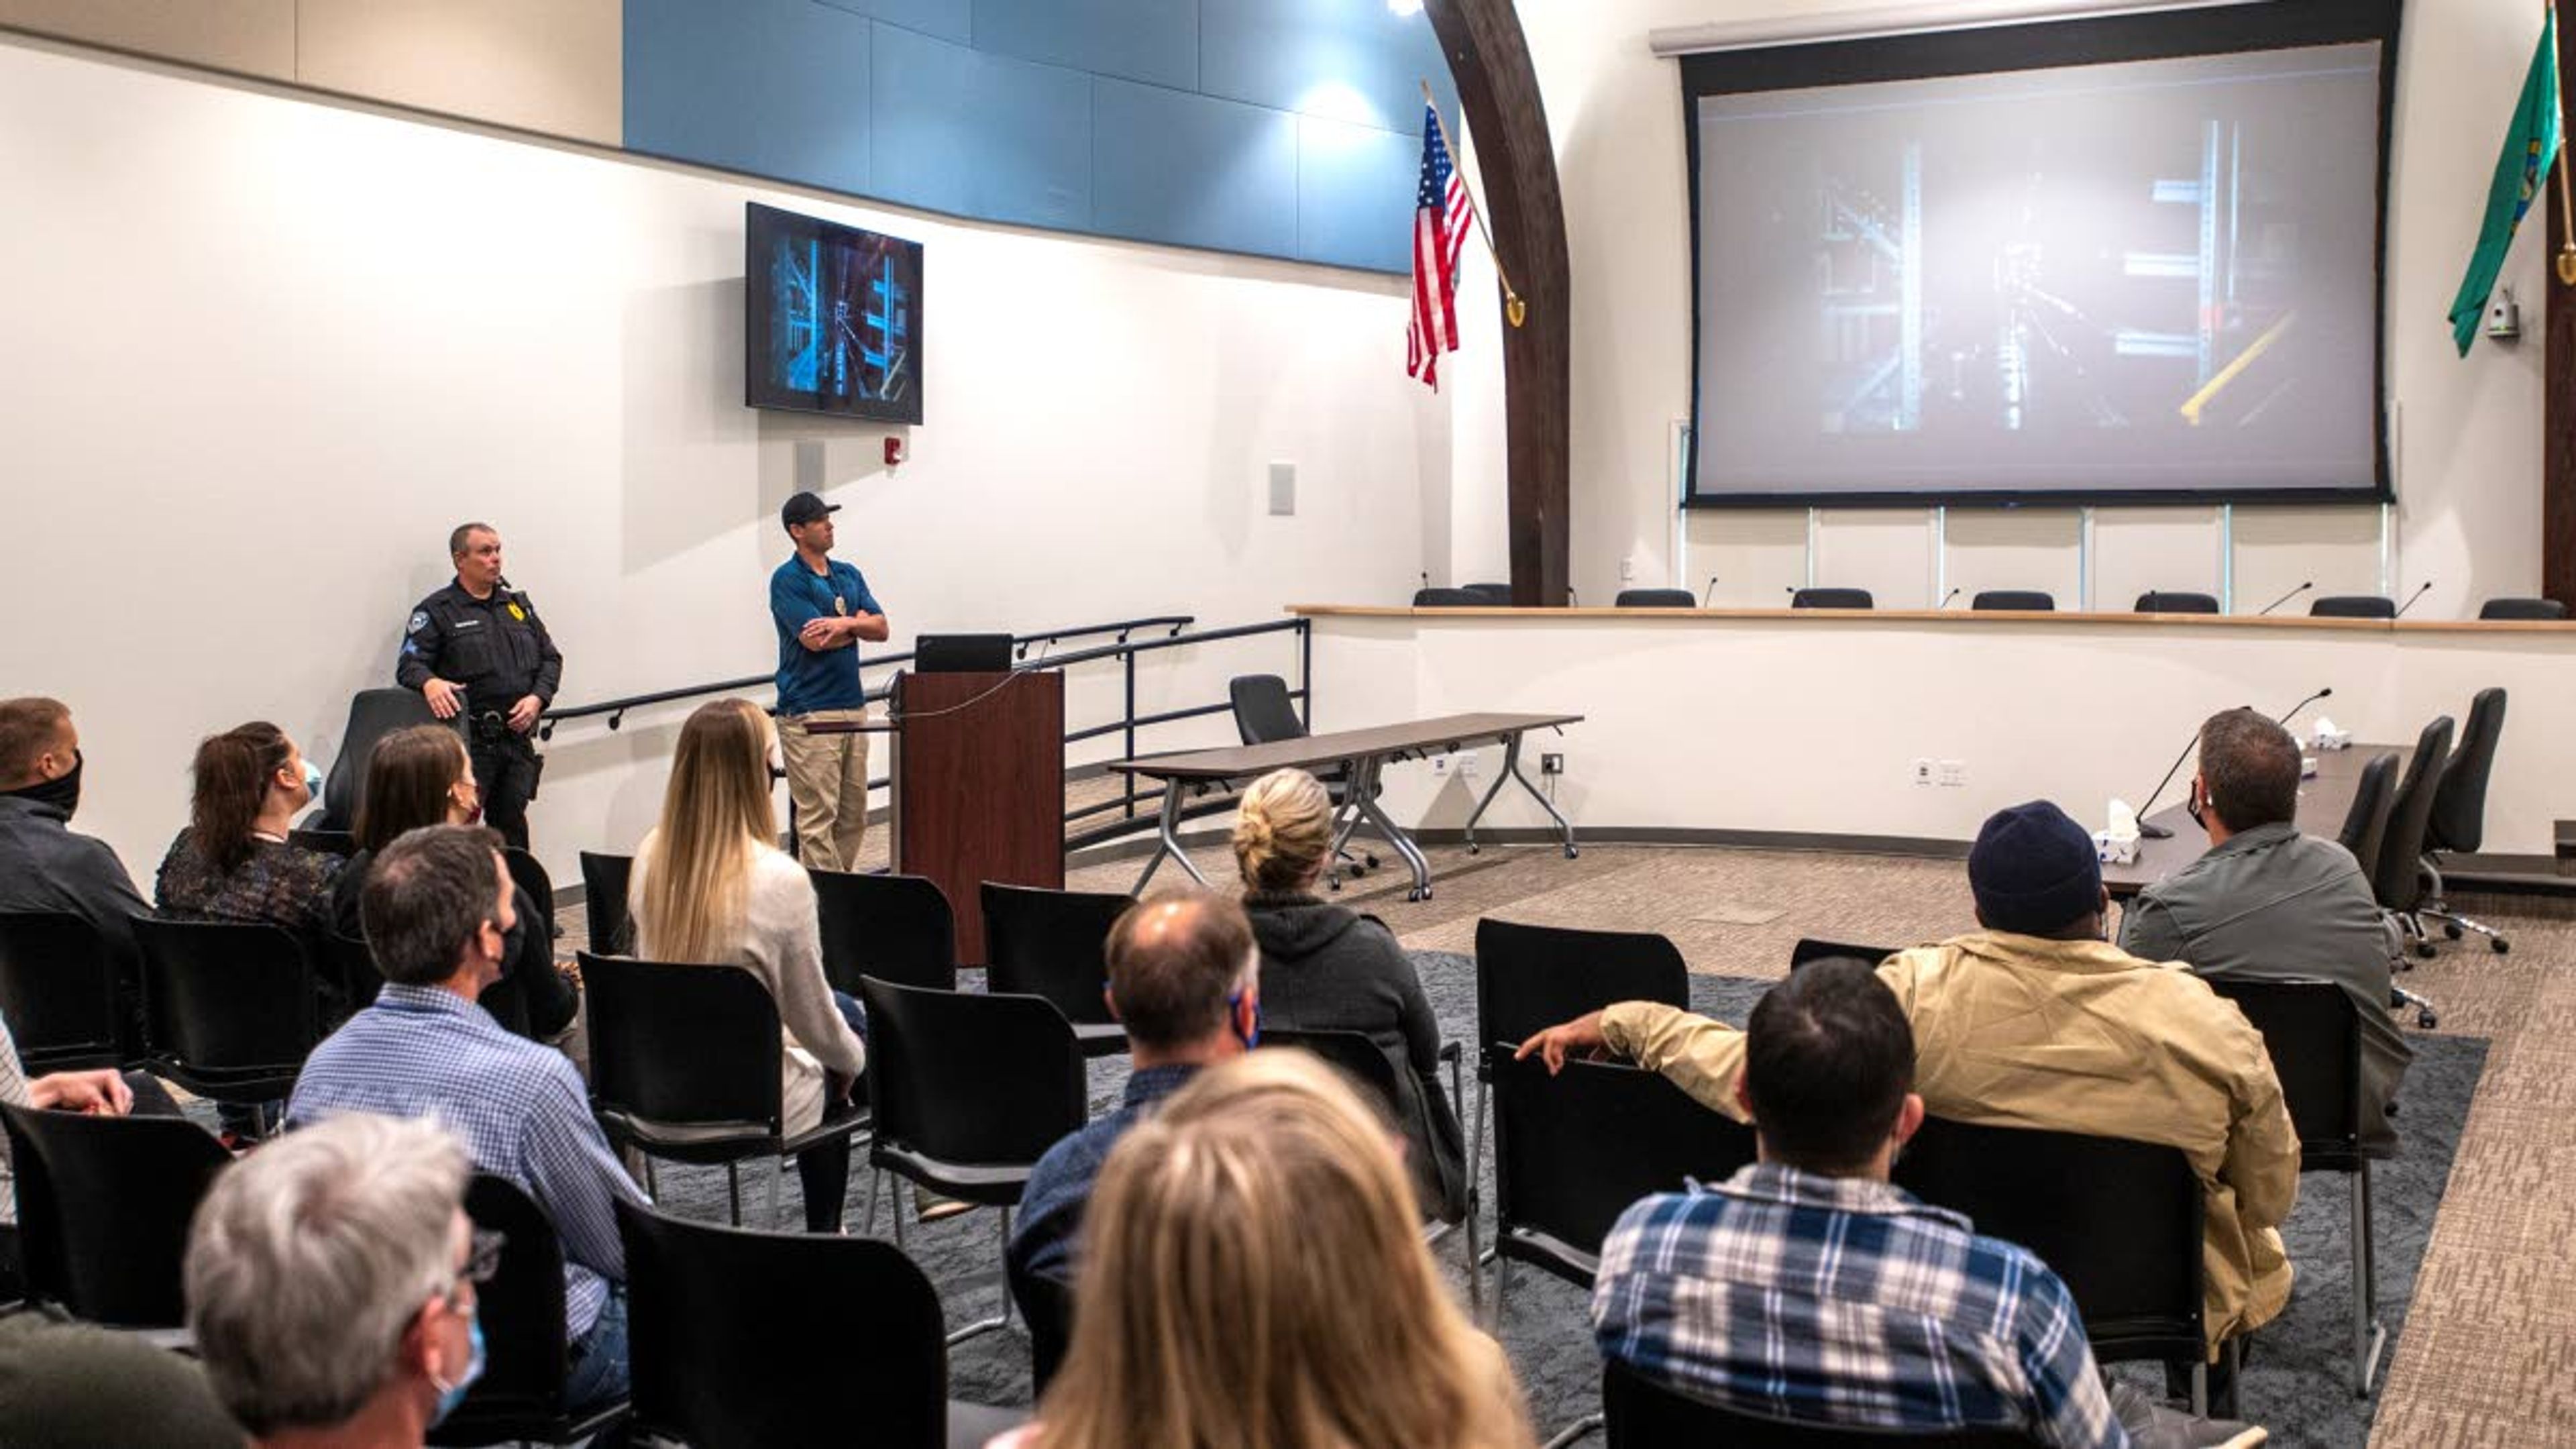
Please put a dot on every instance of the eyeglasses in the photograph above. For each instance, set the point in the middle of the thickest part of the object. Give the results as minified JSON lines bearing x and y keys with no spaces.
{"x":482,"y":1261}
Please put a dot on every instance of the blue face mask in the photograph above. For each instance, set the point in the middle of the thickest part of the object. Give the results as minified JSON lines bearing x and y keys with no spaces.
{"x":449,"y":1396}
{"x":312,"y":780}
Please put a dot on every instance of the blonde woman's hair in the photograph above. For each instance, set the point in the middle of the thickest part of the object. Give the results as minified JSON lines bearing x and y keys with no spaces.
{"x":1282,"y":830}
{"x":716,"y":817}
{"x":1253,"y":1275}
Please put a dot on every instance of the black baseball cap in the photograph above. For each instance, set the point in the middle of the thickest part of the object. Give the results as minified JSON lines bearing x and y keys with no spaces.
{"x":805,"y":508}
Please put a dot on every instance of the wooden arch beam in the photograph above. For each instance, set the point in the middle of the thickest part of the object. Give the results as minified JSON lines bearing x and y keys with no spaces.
{"x":1498,"y":88}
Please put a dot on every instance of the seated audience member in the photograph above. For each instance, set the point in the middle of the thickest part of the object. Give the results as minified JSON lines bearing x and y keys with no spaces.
{"x":44,"y":866}
{"x":71,"y":1385}
{"x":331,"y":1285}
{"x":1254,"y":1274}
{"x":422,"y":776}
{"x":2036,"y":1021}
{"x":440,"y":923}
{"x":1184,"y":979}
{"x":232,"y":862}
{"x":1809,"y":1288}
{"x":2268,"y":903}
{"x":1328,"y":968}
{"x":711,"y":885}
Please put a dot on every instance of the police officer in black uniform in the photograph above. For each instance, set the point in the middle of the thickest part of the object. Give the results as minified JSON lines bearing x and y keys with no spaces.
{"x":477,"y":648}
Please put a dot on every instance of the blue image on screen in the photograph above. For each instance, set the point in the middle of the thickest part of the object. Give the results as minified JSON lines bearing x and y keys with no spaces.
{"x":835,"y":318}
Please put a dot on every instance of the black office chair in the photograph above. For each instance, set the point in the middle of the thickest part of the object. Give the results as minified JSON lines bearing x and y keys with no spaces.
{"x":60,"y":995}
{"x":2397,"y":877}
{"x":1656,"y":599}
{"x":2165,"y":601}
{"x":353,"y":965}
{"x":2119,"y":1221}
{"x":2365,"y":822}
{"x":1833,"y":599}
{"x":2538,"y":610}
{"x":744,"y":1340}
{"x":1529,"y":978}
{"x":970,"y":1091}
{"x":893,"y":927}
{"x":373,"y":714}
{"x":341,"y":843}
{"x":2034,"y":601}
{"x":1040,"y":942}
{"x":684,"y":1066}
{"x":2313,"y":1033}
{"x":2458,"y":822}
{"x":1450,"y":599}
{"x":2353,"y":606}
{"x":1265,"y":713}
{"x":103,"y":1210}
{"x":1809,"y":950}
{"x":1573,"y":1151}
{"x":604,"y":880}
{"x":527,"y":1352}
{"x":1645,"y":1415}
{"x":230,"y":1009}
{"x":1491,"y":593}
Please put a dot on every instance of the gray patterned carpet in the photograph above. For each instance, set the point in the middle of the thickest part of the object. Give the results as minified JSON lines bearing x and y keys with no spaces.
{"x":2294,"y":1381}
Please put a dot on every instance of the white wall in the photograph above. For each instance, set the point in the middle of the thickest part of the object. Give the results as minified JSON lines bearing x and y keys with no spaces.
{"x":262,"y":352}
{"x":2468,"y":436}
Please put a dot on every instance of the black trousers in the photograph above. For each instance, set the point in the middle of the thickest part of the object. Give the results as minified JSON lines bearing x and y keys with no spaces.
{"x":507,"y":775}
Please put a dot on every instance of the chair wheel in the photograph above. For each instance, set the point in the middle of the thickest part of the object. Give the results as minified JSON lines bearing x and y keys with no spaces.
{"x":2451,"y":929}
{"x":1371,"y":857}
{"x":2424,"y":949}
{"x":1571,"y":852}
{"x":1334,"y":885}
{"x":2501,"y":945}
{"x":2427,"y":1020}
{"x":1474,"y":849}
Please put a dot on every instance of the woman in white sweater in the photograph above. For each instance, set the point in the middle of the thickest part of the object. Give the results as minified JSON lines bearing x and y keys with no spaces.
{"x":711,"y":885}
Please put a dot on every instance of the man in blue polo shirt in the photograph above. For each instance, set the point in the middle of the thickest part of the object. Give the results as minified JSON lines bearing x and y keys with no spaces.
{"x":822,"y":608}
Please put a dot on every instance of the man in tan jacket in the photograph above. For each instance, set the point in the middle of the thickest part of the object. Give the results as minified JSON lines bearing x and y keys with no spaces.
{"x":2037,"y":1021}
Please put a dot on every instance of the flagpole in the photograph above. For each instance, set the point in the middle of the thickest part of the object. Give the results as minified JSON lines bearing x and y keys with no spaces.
{"x":1514,"y":308}
{"x":2566,"y":197}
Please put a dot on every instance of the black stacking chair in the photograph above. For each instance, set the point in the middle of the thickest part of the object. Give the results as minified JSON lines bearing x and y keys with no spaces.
{"x":2540,"y":610}
{"x":59,"y":993}
{"x":1656,"y":599}
{"x":1264,"y":713}
{"x":744,"y":1340}
{"x":2313,"y":1033}
{"x":970,"y":1091}
{"x":892,"y":927}
{"x":603,"y":898}
{"x":373,"y":714}
{"x":103,"y":1210}
{"x":1644,"y":1415}
{"x":2458,"y":822}
{"x":1809,"y":950}
{"x":2397,"y":877}
{"x":1450,"y":599}
{"x":1491,"y":593}
{"x":2027,"y":600}
{"x":328,"y":842}
{"x":684,"y":1067}
{"x":2163,"y":601}
{"x":2353,"y":606}
{"x":1356,"y":1057}
{"x":1833,"y":599}
{"x":1040,"y":942}
{"x":2365,"y":824}
{"x":230,"y":1009}
{"x":1529,"y":978}
{"x":527,"y":1353}
{"x":353,"y":962}
{"x":2119,"y":1221}
{"x":1573,"y":1151}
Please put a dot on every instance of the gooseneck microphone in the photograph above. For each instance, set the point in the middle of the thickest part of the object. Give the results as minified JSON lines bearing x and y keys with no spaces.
{"x":1946,"y":598}
{"x":2418,"y":594}
{"x":2284,"y":718}
{"x":2285,"y":598}
{"x":2151,"y":831}
{"x":1708,"y":593}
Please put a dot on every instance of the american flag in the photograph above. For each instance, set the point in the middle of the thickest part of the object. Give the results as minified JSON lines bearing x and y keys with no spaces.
{"x":1441,"y":212}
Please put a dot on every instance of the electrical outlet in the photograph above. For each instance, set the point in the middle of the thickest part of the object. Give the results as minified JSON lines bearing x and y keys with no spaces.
{"x":1954,"y":773}
{"x":1470,"y":766}
{"x":1923,"y":772}
{"x":1628,"y":569}
{"x":1551,"y":763}
{"x":1440,"y":767}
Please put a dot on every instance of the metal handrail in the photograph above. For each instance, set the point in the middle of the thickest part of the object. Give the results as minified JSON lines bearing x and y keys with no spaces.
{"x":1178,"y":622}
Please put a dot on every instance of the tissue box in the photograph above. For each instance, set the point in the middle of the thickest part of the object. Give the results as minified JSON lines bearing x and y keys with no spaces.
{"x":2121,"y":849}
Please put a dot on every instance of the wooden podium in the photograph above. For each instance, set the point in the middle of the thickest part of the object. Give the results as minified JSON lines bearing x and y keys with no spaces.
{"x":978,"y":775}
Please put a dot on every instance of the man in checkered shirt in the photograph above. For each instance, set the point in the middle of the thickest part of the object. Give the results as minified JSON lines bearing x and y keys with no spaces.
{"x":1809,"y":1288}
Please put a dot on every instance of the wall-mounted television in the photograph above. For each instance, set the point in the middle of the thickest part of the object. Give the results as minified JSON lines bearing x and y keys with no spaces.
{"x":832,"y":318}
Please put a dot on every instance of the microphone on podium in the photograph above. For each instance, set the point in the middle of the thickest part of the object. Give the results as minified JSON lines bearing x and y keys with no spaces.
{"x":2284,"y":718}
{"x":2411,"y":599}
{"x":1946,"y":598}
{"x":1708,"y":593}
{"x":2285,"y":598}
{"x":2152,"y":831}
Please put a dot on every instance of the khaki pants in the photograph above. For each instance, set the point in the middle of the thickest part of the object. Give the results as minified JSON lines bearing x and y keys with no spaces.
{"x":827,"y":779}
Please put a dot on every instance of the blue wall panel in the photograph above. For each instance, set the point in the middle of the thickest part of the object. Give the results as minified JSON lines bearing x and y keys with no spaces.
{"x":947,"y":19}
{"x":959,"y":131}
{"x":1345,"y":175}
{"x":1168,"y":166}
{"x":774,"y":87}
{"x":1155,"y":41}
{"x":1349,"y":60}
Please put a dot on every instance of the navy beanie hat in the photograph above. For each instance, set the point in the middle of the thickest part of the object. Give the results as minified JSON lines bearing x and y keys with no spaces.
{"x":2034,"y":870}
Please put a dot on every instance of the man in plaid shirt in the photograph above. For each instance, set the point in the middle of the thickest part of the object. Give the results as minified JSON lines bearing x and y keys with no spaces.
{"x":1810,"y":1288}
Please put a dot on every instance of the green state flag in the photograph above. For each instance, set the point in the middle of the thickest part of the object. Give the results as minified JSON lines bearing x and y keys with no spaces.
{"x":2521,"y":171}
